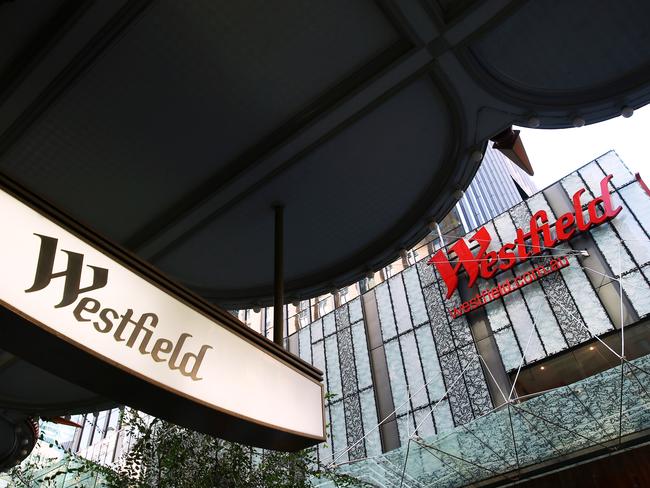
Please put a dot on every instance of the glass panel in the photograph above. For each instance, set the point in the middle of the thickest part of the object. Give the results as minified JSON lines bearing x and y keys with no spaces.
{"x":506,"y":229}
{"x":495,"y":242}
{"x":413,"y":370}
{"x":426,"y":273}
{"x":304,"y":343}
{"x":612,"y":165}
{"x":520,"y":215}
{"x":325,"y":305}
{"x":572,"y":183}
{"x":415,"y":298}
{"x":547,"y":326}
{"x":329,"y":324}
{"x":585,"y":297}
{"x":523,"y":326}
{"x":325,"y":448}
{"x":444,"y":419}
{"x":386,"y":318}
{"x":459,"y":399}
{"x":333,"y":369}
{"x":400,"y":305}
{"x":430,"y":364}
{"x":592,"y":174}
{"x":565,"y":309}
{"x":636,"y":398}
{"x":268,"y":321}
{"x":475,"y":380}
{"x":347,"y":363}
{"x":459,"y":326}
{"x":342,"y":318}
{"x":339,"y":438}
{"x":638,"y":291}
{"x":254,"y":320}
{"x":318,"y":358}
{"x":459,"y":465}
{"x":369,"y":415}
{"x":354,"y":426}
{"x":509,"y":349}
{"x":88,"y":427}
{"x":356,"y":313}
{"x":646,"y":272}
{"x":609,"y":245}
{"x":113,"y":421}
{"x":538,"y":202}
{"x":344,"y":296}
{"x":637,"y":201}
{"x":424,"y":422}
{"x":497,"y":315}
{"x":438,"y":315}
{"x":100,"y":426}
{"x":303,"y":315}
{"x":630,"y":231}
{"x":396,"y":374}
{"x":405,"y":427}
{"x":361,"y":356}
{"x":316,"y":330}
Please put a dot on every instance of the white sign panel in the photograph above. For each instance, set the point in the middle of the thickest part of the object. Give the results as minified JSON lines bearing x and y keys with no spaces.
{"x":68,"y":287}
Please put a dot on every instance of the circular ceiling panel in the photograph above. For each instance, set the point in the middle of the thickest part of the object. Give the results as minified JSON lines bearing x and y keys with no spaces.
{"x":173,"y":130}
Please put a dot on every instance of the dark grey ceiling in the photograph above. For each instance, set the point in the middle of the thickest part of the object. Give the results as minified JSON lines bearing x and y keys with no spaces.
{"x":569,"y":51}
{"x":172,"y":127}
{"x":27,"y":388}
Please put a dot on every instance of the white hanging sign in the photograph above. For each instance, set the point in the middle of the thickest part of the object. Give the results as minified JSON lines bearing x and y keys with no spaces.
{"x":80,"y":294}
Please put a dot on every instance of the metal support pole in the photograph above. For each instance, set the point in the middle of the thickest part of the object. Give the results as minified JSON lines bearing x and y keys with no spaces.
{"x":278,"y":278}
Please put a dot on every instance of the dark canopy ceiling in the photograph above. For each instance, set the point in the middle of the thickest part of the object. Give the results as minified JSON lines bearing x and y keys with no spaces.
{"x":172,"y":127}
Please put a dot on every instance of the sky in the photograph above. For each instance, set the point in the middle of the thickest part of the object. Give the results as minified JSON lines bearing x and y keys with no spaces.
{"x":555,"y":153}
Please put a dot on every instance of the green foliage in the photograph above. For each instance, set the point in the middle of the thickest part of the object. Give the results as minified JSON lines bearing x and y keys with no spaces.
{"x":39,"y":471}
{"x":165,"y":455}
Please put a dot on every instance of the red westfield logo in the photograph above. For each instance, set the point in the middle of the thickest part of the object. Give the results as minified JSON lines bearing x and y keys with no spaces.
{"x":486,"y":264}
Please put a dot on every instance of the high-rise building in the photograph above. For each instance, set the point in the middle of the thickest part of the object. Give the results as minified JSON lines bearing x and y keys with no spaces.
{"x":497,"y":186}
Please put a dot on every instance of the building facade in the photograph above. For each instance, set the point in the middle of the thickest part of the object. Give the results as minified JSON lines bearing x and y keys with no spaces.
{"x":421,"y":359}
{"x":423,"y":366}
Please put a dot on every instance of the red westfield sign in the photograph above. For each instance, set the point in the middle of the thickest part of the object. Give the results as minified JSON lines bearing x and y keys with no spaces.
{"x":487,"y":264}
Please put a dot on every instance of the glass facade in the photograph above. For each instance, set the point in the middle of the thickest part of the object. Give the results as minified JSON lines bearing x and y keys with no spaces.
{"x":450,"y":378}
{"x":99,"y":437}
{"x":594,"y":413}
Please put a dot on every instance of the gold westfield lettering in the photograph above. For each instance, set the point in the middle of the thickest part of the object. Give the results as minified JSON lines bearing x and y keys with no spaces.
{"x":133,"y":331}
